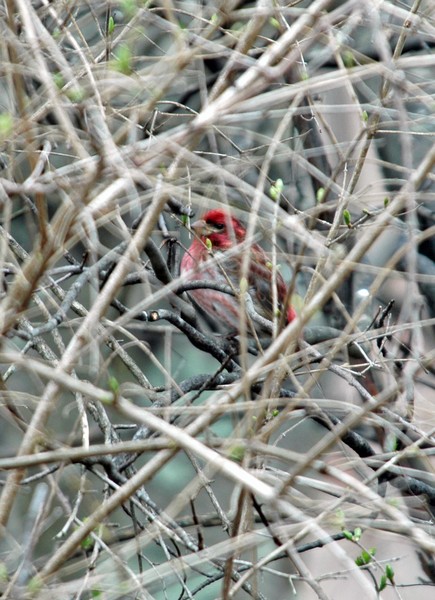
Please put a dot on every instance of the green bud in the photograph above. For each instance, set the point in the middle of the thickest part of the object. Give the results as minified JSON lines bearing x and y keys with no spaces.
{"x":110,"y":25}
{"x":129,"y":7}
{"x":237,"y":453}
{"x":389,"y":572}
{"x":365,"y":558}
{"x":6,"y":125}
{"x":274,"y":22}
{"x":76,"y":94}
{"x":123,"y":60}
{"x":87,"y":543}
{"x":391,"y":443}
{"x":276,"y":189}
{"x":348,"y":59}
{"x":59,"y":81}
{"x":113,"y":384}
{"x":35,"y":585}
{"x":382,"y":583}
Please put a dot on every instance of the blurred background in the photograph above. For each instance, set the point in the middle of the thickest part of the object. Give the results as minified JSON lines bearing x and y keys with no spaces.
{"x":121,"y":123}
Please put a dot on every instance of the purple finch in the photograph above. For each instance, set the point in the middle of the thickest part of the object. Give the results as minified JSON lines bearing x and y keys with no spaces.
{"x":208,"y":258}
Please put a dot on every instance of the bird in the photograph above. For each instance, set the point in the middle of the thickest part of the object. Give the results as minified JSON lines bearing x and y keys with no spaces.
{"x":213,"y":256}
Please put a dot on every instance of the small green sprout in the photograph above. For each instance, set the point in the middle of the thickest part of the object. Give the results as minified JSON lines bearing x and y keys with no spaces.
{"x":237,"y":453}
{"x":354,"y":536}
{"x":347,"y":218}
{"x":389,"y":573}
{"x":320,"y":195}
{"x":129,"y":8}
{"x":349,"y":59}
{"x":110,"y":25}
{"x":35,"y":584}
{"x":58,"y":80}
{"x":382,"y":583}
{"x":76,"y":94}
{"x":6,"y":125}
{"x":365,"y":558}
{"x":113,"y":384}
{"x":276,"y":189}
{"x":123,"y":60}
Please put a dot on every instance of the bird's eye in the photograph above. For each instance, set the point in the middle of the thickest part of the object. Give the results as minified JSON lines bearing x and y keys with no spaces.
{"x":218,"y":226}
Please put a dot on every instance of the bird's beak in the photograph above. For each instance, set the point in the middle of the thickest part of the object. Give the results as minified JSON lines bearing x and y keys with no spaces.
{"x":200,"y":228}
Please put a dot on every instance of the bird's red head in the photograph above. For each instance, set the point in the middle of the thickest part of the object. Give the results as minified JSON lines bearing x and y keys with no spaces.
{"x":221,"y":228}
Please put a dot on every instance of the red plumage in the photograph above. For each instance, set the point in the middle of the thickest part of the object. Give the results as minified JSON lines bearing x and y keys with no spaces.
{"x":225,"y":233}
